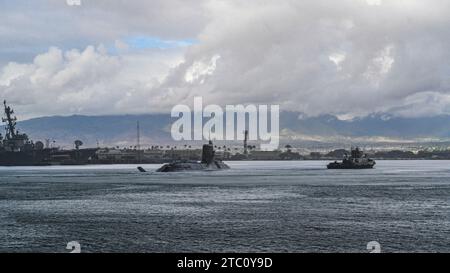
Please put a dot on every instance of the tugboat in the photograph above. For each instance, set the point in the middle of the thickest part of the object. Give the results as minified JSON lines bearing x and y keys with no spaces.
{"x":208,"y":163}
{"x":16,"y":149}
{"x":357,"y":160}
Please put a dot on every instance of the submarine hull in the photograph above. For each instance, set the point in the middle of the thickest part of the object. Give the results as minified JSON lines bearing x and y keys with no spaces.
{"x":208,"y":163}
{"x":193,"y":166}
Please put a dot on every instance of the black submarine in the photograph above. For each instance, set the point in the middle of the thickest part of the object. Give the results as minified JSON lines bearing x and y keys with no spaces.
{"x":357,"y":160}
{"x":16,"y":149}
{"x":208,"y":163}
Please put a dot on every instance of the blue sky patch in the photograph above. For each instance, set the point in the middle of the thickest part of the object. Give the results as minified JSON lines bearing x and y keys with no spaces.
{"x":143,"y":42}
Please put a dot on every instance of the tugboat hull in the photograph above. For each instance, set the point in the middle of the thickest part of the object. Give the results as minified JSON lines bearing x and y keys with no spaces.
{"x":357,"y":160}
{"x":336,"y":165}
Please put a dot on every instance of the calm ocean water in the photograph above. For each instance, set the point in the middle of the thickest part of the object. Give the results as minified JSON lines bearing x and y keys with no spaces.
{"x":254,"y":207}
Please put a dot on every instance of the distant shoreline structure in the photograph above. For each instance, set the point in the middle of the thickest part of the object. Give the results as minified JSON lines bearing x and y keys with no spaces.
{"x":14,"y":145}
{"x":159,"y":156}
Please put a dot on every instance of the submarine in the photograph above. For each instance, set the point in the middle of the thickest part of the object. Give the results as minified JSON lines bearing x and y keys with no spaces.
{"x":357,"y":160}
{"x":208,"y":162}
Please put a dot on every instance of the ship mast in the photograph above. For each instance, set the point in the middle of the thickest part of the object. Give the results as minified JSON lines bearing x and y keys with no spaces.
{"x":138,"y":147}
{"x":245,"y":142}
{"x":11,"y":122}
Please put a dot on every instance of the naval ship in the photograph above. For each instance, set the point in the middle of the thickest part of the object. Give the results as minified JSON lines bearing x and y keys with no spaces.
{"x":357,"y":160}
{"x":16,"y":149}
{"x":208,"y":163}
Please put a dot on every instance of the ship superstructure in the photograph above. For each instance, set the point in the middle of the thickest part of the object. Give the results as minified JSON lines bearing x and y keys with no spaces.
{"x":13,"y":140}
{"x":357,"y":160}
{"x":208,"y":163}
{"x":16,"y":149}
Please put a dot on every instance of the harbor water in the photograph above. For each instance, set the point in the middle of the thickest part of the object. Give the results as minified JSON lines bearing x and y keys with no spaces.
{"x":257,"y":206}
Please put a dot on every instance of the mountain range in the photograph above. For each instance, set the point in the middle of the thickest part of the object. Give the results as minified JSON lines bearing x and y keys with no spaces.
{"x":296,"y":128}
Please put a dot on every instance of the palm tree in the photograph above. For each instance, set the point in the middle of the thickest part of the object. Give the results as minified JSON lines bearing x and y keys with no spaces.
{"x":288,"y":148}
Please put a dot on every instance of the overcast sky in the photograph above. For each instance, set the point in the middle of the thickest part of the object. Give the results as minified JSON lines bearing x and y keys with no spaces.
{"x":347,"y":57}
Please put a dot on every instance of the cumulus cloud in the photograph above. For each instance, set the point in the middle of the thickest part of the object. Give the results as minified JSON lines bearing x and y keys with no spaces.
{"x":349,"y":57}
{"x":28,"y":28}
{"x":90,"y":81}
{"x":321,"y":57}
